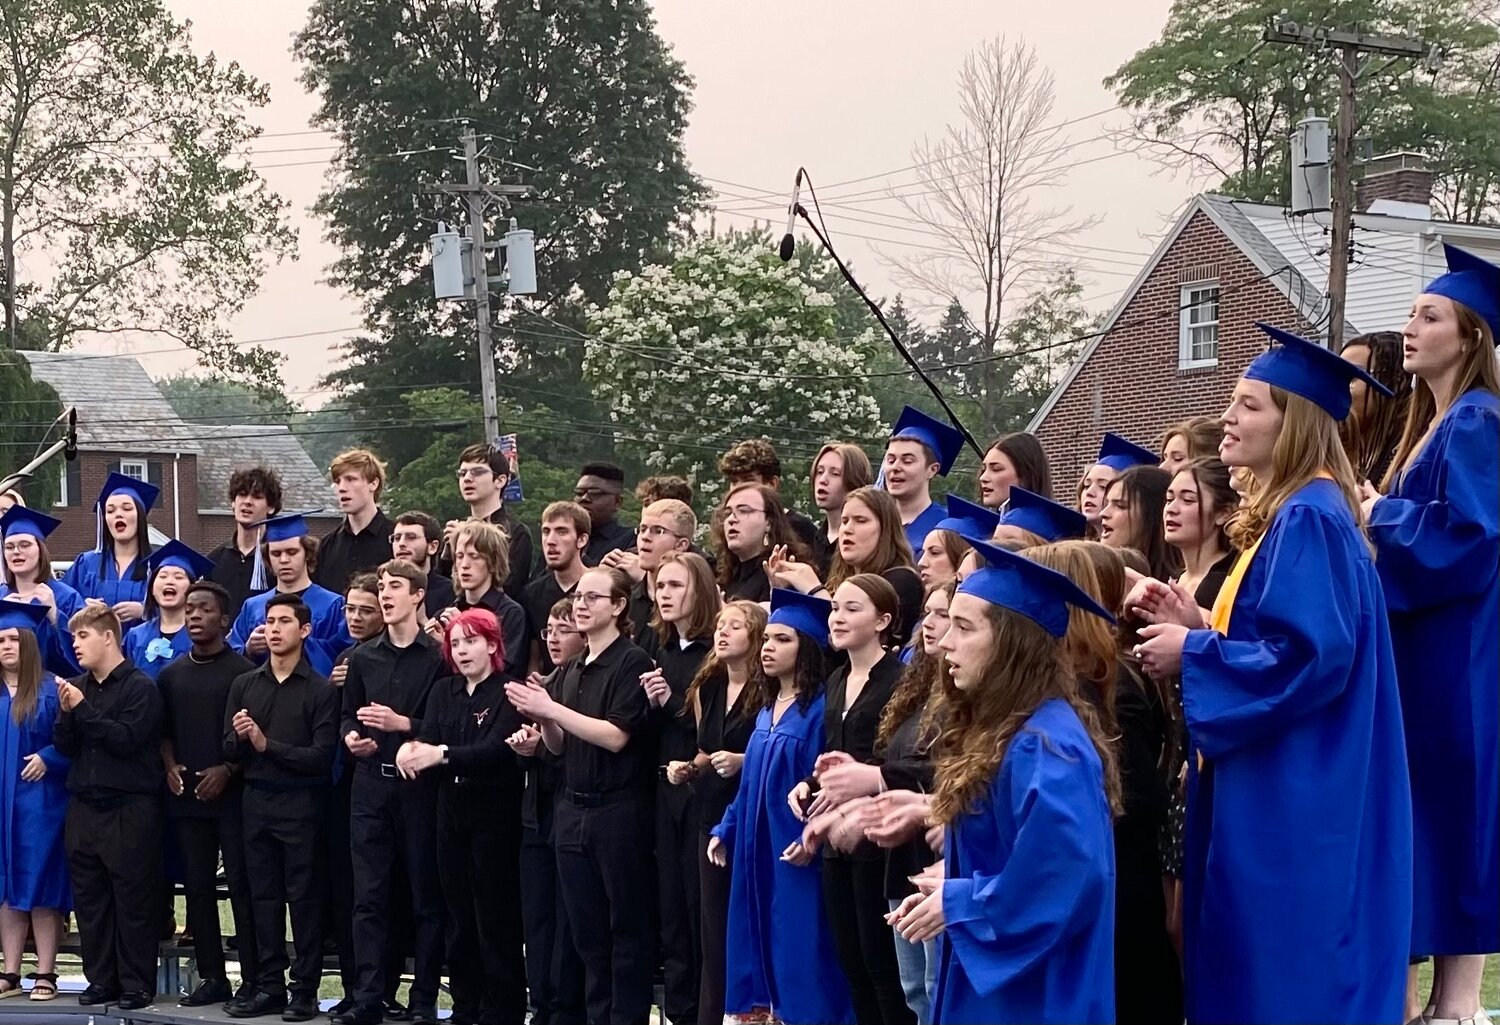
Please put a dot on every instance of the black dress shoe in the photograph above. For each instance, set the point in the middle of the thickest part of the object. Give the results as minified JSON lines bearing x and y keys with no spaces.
{"x":256,"y":1005}
{"x":97,"y":994}
{"x":422,"y":1016}
{"x":135,"y":999}
{"x":395,"y":1012}
{"x":302,"y":1007}
{"x":358,"y":1016}
{"x":344,"y":1006}
{"x":209,"y":991}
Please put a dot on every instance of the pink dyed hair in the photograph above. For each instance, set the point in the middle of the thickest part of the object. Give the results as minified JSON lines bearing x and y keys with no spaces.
{"x":476,"y":623}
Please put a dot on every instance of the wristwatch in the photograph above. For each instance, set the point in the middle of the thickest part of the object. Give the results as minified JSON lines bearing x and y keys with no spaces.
{"x":443,"y":748}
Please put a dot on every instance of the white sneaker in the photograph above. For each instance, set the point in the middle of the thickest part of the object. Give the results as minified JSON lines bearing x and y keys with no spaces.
{"x":1478,"y":1019}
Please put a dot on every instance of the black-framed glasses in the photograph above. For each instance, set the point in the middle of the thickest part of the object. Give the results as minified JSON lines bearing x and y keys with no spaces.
{"x":654,"y":530}
{"x":589,"y":494}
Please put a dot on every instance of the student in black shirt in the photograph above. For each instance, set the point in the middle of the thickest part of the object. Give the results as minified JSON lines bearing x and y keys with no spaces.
{"x":281,"y":725}
{"x":755,"y":461}
{"x":837,"y":469}
{"x":110,"y":726}
{"x":599,"y":490}
{"x":463,"y":743}
{"x":204,"y":808}
{"x":479,"y":564}
{"x":254,"y":495}
{"x":392,"y":824}
{"x":597,"y":718}
{"x":363,"y":540}
{"x":687,"y":611}
{"x":565,"y":533}
{"x":416,"y":538}
{"x":484,"y":472}
{"x":747,"y":527}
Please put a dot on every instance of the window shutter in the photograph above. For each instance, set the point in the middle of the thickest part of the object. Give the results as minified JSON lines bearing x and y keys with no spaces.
{"x":113,"y":467}
{"x":75,"y":482}
{"x":153,"y":472}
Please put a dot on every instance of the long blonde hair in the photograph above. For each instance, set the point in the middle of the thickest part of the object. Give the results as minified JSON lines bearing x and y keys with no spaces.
{"x":1026,"y":667}
{"x":1481,"y":370}
{"x":752,"y":697}
{"x":1307,"y":447}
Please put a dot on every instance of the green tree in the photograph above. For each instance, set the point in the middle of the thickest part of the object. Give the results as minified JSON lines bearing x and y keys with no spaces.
{"x":1204,"y":98}
{"x":214,"y":400}
{"x":126,"y":203}
{"x":1041,"y":341}
{"x":582,"y":100}
{"x":30,"y":406}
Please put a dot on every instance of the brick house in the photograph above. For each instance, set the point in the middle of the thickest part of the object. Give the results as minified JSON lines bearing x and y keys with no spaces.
{"x":126,"y":425}
{"x":1184,"y":330}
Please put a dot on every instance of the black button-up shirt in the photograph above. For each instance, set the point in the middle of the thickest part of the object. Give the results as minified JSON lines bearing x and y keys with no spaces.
{"x":300,"y":718}
{"x":608,"y":688}
{"x":613,"y":536}
{"x":343,"y":553}
{"x":381,"y":673}
{"x":234,"y":570}
{"x":474,"y":726}
{"x":439,"y":593}
{"x":748,"y":580}
{"x":541,"y":594}
{"x":512,"y":626}
{"x":113,"y":736}
{"x":677,"y":727}
{"x":194,"y":695}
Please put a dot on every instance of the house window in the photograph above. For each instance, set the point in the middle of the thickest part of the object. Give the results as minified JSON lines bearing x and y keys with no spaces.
{"x":137,"y":467}
{"x":1198,"y":330}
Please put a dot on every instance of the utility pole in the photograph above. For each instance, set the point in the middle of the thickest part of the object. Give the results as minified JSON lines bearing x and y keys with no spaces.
{"x":478,"y":196}
{"x":1354,"y":48}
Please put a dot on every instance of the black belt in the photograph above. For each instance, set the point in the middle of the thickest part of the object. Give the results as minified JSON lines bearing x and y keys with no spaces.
{"x":274,"y":787}
{"x":385,"y":770}
{"x":583,"y":799}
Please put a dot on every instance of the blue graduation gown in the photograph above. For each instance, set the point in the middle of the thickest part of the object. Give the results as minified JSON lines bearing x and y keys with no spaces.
{"x":329,"y":637}
{"x":779,"y":945}
{"x":56,"y":642}
{"x":918,"y":529}
{"x":93,"y":575}
{"x":1029,"y":893}
{"x":1297,"y":866}
{"x":1438,"y":538}
{"x":33,"y":863}
{"x":150,"y":650}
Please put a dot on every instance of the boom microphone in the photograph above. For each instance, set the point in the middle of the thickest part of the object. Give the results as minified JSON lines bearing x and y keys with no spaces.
{"x":789,"y":241}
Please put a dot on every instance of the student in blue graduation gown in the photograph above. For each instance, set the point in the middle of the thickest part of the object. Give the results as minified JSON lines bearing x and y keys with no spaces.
{"x":920,"y":449}
{"x":1024,"y":784}
{"x":1116,"y":455}
{"x":1297,"y":876}
{"x":1437,"y":533}
{"x":115,"y":571}
{"x":780,"y":946}
{"x":163,"y":636}
{"x":28,"y":578}
{"x":293,"y":554}
{"x":34,"y":890}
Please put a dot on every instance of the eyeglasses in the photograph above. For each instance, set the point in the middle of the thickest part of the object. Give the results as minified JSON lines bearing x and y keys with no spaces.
{"x":589,"y":494}
{"x":741,"y":512}
{"x":416,"y":539}
{"x":20,"y":546}
{"x":654,"y":530}
{"x":587,"y":598}
{"x":465,"y":472}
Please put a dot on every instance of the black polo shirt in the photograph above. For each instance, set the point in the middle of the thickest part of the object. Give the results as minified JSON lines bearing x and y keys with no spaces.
{"x":474,"y":727}
{"x":380,"y":672}
{"x":300,"y":718}
{"x":113,"y":736}
{"x":677,"y":727}
{"x":608,"y":688}
{"x":613,"y":536}
{"x":343,"y":553}
{"x":512,"y":626}
{"x":194,"y":695}
{"x":541,"y":594}
{"x":748,"y":581}
{"x":439,"y":593}
{"x":233,"y":570}
{"x":519,"y":552}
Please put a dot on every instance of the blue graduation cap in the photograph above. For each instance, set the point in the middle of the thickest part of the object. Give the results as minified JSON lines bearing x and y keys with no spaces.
{"x":1307,"y":369}
{"x":144,"y":492}
{"x":967,"y":519}
{"x":175,"y":553}
{"x":20,"y":520}
{"x":941,"y":439}
{"x":1120,"y":454}
{"x":22,"y":615}
{"x":803,"y":612}
{"x":1040,"y":594}
{"x":281,"y":527}
{"x":1042,"y":516}
{"x":1473,"y":282}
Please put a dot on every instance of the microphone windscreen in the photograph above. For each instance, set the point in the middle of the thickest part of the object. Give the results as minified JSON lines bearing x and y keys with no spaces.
{"x":788,"y":247}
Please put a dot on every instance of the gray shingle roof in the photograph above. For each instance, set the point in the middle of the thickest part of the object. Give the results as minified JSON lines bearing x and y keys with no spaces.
{"x":303,"y":484}
{"x":119,"y":407}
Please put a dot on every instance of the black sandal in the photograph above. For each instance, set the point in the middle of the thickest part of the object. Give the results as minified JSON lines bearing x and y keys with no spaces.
{"x":12,"y":983}
{"x":43,"y":985}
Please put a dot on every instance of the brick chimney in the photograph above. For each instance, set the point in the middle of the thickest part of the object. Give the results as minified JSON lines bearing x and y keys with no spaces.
{"x":1395,"y":178}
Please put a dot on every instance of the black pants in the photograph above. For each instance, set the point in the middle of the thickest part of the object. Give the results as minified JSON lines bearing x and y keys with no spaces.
{"x":854,"y":897}
{"x":338,"y":870}
{"x":554,"y":974}
{"x":479,"y":863}
{"x":115,"y":862}
{"x":281,"y":856}
{"x":603,"y":868}
{"x":677,"y":899}
{"x":714,"y":901}
{"x":201,"y":839}
{"x":393,"y":827}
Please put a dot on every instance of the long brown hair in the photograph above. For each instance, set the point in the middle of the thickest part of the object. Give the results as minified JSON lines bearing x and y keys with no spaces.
{"x":858,"y":473}
{"x":1480,"y":370}
{"x":1145,"y":491}
{"x":778,"y":531}
{"x":43,"y":565}
{"x":1372,"y":430}
{"x":751,"y":697}
{"x":1026,"y":668}
{"x":1202,"y":433}
{"x":919,"y":689}
{"x":1307,"y":447}
{"x":28,"y":678}
{"x":1215,"y":495}
{"x":882,"y":595}
{"x":1089,"y":646}
{"x":1028,"y":459}
{"x":704,"y":596}
{"x":892,"y":549}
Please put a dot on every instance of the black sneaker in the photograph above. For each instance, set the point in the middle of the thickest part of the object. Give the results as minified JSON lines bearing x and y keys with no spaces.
{"x":135,"y":999}
{"x":97,"y":994}
{"x":209,"y":991}
{"x":422,"y":1016}
{"x":256,"y":1005}
{"x":395,"y":1012}
{"x":302,"y":1007}
{"x":358,"y":1016}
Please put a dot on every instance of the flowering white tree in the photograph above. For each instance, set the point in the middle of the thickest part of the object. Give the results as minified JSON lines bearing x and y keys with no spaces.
{"x":727,"y":343}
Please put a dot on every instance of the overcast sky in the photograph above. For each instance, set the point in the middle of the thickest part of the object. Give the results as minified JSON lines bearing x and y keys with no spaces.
{"x":844,"y":87}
